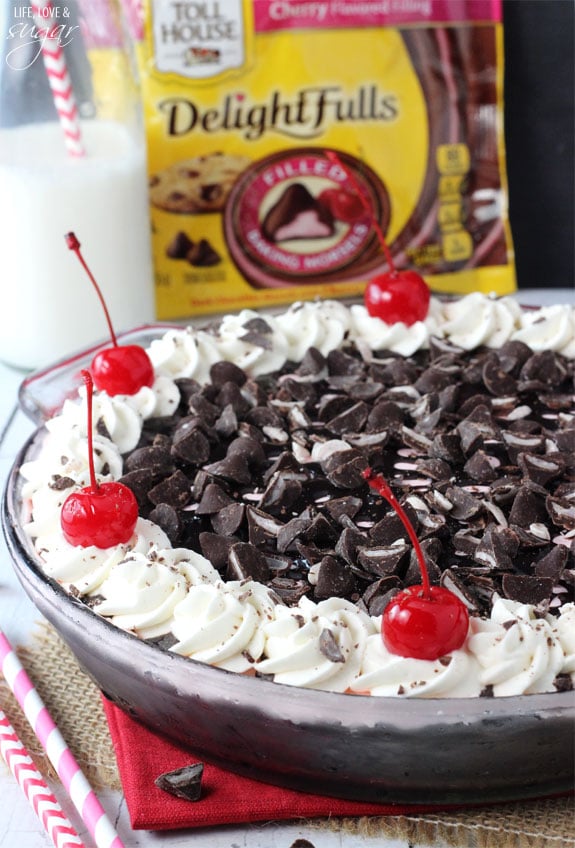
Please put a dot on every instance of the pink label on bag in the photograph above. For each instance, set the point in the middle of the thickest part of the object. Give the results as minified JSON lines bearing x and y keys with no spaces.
{"x":272,"y":15}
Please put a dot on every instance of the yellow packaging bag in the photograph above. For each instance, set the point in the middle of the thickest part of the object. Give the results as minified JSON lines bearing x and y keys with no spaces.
{"x":244,"y":98}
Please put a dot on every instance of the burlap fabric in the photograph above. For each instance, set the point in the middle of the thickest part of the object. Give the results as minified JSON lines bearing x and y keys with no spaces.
{"x":74,"y":702}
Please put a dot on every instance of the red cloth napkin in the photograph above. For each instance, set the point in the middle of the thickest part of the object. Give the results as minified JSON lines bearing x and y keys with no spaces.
{"x":227,"y":798}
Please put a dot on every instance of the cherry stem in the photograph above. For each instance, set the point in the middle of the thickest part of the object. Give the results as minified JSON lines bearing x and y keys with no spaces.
{"x":334,"y":159}
{"x":377,"y":482}
{"x":89,"y":395}
{"x":74,"y":245}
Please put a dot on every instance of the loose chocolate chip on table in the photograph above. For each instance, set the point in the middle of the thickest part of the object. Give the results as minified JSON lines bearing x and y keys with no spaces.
{"x":184,"y":782}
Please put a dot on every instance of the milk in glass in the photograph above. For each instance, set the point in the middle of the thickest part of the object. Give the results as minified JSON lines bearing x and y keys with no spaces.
{"x":87,"y":86}
{"x":49,"y":308}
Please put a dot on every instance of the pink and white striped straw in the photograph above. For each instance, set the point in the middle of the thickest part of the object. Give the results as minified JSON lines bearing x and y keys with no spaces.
{"x":37,"y":792}
{"x":68,"y":770}
{"x":58,"y":77}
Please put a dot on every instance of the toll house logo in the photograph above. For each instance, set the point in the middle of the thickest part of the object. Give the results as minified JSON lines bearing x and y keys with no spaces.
{"x":198,"y":40}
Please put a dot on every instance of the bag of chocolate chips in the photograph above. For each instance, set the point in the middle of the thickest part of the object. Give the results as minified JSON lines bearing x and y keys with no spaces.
{"x":244,"y":97}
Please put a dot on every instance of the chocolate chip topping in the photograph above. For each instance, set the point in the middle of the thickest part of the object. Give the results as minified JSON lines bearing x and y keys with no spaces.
{"x":479,"y":456}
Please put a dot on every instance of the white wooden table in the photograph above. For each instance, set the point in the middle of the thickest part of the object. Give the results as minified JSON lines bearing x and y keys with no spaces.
{"x":19,"y":827}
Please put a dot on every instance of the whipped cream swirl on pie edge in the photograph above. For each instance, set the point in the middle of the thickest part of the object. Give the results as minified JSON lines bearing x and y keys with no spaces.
{"x":155,"y":591}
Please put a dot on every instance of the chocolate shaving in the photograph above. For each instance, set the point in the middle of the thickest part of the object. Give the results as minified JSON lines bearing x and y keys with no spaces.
{"x":329,"y":647}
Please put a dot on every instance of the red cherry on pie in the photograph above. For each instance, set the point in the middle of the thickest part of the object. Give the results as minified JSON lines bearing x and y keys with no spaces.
{"x":344,"y":205}
{"x":424,"y":625}
{"x":423,"y":622}
{"x":101,"y":514}
{"x":120,"y":369}
{"x":103,"y":517}
{"x":397,"y":296}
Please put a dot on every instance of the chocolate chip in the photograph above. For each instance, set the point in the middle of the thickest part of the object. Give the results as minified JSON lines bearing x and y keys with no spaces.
{"x":216,"y":548}
{"x":227,"y":521}
{"x":481,"y":467}
{"x":563,"y":683}
{"x":565,"y":440}
{"x":184,"y":782}
{"x":350,"y":421}
{"x":350,"y":539}
{"x":227,"y":424}
{"x":465,"y":506}
{"x":551,"y":564}
{"x":437,"y":469}
{"x":527,"y":508}
{"x":446,"y":446}
{"x":334,"y":579}
{"x":290,"y":590}
{"x":497,"y":548}
{"x":313,"y":363}
{"x":226,"y":372}
{"x":541,"y":469}
{"x":341,"y":363}
{"x":191,"y":445}
{"x":379,"y":593}
{"x":345,"y":469}
{"x":158,"y":459}
{"x":168,"y":518}
{"x":230,"y":395}
{"x":280,"y":494}
{"x":175,"y":491}
{"x":292,"y":530}
{"x":526,"y":589}
{"x":263,"y":529}
{"x":495,"y":379}
{"x":452,"y":581}
{"x":543,"y":368}
{"x":348,"y":505}
{"x":386,"y":415}
{"x":245,"y":561}
{"x":140,"y":482}
{"x":391,"y":528}
{"x":433,"y":380}
{"x":561,"y":511}
{"x":476,"y":428}
{"x":214,"y":498}
{"x":383,"y":560}
{"x":249,"y":449}
{"x":233,"y":468}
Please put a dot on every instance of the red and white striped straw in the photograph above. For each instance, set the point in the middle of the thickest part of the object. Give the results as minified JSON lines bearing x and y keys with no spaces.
{"x":58,"y":77}
{"x":37,"y":792}
{"x":68,"y":770}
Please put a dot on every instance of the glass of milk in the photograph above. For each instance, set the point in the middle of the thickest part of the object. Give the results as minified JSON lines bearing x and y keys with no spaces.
{"x":48,"y":307}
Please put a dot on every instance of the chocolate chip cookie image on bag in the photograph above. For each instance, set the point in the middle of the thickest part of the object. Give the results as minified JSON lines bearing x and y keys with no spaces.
{"x":197,"y":185}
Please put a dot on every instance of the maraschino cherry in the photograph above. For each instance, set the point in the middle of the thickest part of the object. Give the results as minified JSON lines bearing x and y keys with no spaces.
{"x":394,"y":295}
{"x":101,"y":514}
{"x":121,"y":369}
{"x":423,"y":622}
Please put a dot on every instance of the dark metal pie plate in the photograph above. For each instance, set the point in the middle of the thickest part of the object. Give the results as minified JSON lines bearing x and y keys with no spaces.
{"x":389,"y":750}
